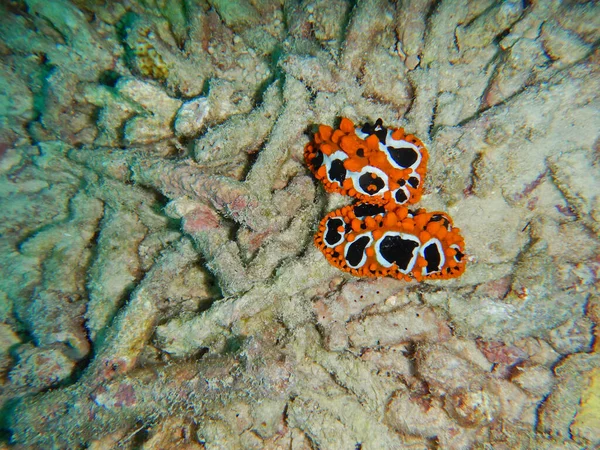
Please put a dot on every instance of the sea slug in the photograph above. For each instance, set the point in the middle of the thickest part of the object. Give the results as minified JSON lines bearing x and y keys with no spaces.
{"x":379,"y":236}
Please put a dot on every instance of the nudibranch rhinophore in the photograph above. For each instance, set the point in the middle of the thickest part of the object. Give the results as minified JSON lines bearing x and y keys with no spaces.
{"x":379,"y":235}
{"x":373,"y":163}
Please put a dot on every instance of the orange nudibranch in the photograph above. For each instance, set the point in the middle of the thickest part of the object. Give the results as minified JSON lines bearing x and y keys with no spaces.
{"x":367,"y":240}
{"x":385,"y":169}
{"x":373,"y":163}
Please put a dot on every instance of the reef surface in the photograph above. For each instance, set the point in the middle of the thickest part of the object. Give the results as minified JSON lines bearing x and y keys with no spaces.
{"x":159,"y":284}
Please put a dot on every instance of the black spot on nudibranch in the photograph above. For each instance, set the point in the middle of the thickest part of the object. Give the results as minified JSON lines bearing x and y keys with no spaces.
{"x":432,"y":255}
{"x":414,"y":182}
{"x":366,"y":209}
{"x":366,"y":180}
{"x":400,"y":196}
{"x":356,"y":251}
{"x":440,"y":218}
{"x":337,"y":171}
{"x":317,"y":160}
{"x":332,"y":236}
{"x":378,"y":130}
{"x":459,"y":255}
{"x":395,"y":249}
{"x":403,"y":156}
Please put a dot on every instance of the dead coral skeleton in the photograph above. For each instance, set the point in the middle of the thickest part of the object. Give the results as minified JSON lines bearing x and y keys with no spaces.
{"x":159,"y":280}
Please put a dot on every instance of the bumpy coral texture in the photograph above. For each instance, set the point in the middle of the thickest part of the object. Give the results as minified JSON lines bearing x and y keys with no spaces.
{"x":380,"y":237}
{"x":159,"y":283}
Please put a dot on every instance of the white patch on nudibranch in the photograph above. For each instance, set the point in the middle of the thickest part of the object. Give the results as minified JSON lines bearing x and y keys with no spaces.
{"x":329,"y":160}
{"x":331,"y":231}
{"x":367,"y":170}
{"x":397,"y":195}
{"x":425,"y":252}
{"x":397,"y":250}
{"x":392,"y":145}
{"x":355,"y":251}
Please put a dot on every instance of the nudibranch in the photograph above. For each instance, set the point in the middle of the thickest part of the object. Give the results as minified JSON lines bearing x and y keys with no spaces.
{"x":373,"y":163}
{"x":369,"y":241}
{"x":379,"y":236}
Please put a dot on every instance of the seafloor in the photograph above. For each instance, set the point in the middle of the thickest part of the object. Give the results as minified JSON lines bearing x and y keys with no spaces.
{"x":159,"y":284}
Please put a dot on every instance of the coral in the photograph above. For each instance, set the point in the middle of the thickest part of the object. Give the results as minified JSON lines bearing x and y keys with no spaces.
{"x":160,"y":286}
{"x":37,"y":368}
{"x":190,"y":117}
{"x":145,"y":56}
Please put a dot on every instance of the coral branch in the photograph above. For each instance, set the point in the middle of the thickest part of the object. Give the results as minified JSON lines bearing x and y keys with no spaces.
{"x":159,"y":286}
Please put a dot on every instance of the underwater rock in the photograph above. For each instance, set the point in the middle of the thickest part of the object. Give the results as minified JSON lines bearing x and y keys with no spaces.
{"x":224,"y":145}
{"x":41,"y":368}
{"x":159,"y":286}
{"x":571,"y":408}
{"x":190,"y":117}
{"x":159,"y":110}
{"x":409,"y":324}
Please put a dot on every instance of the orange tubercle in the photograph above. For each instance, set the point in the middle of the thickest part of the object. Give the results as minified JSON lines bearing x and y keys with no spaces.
{"x":346,"y":125}
{"x":372,"y":142}
{"x":325,"y":132}
{"x":336,"y":136}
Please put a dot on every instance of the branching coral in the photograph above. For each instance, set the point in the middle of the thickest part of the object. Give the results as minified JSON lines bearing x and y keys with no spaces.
{"x":160,"y":286}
